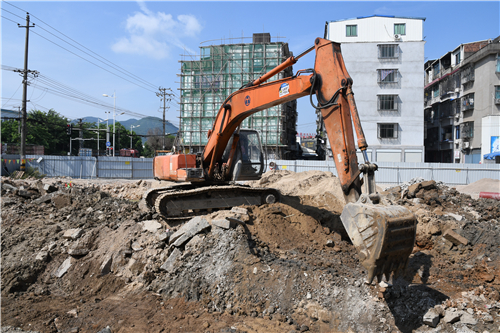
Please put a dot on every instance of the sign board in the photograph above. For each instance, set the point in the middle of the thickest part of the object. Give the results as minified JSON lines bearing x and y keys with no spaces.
{"x":108,"y":144}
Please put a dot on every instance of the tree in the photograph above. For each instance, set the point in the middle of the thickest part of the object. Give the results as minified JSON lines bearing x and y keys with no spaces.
{"x":46,"y":129}
{"x":155,"y":140}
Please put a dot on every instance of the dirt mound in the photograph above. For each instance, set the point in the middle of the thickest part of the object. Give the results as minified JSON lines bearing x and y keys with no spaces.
{"x":482,"y":185}
{"x":84,"y":257}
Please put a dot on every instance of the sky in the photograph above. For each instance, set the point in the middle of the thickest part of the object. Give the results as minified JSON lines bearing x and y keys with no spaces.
{"x":129,"y":49}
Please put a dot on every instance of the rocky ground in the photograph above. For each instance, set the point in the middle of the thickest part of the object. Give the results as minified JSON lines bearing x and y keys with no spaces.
{"x":81,"y":256}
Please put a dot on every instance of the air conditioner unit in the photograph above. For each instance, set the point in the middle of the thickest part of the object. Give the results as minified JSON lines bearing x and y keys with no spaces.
{"x":397,"y":37}
{"x":466,"y":144}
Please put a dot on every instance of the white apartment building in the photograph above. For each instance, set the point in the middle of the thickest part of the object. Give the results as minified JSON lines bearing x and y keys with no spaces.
{"x":384,"y":55}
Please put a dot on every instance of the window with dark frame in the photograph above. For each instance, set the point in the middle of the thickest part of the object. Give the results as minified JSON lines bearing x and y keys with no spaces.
{"x":388,"y":51}
{"x":387,"y":131}
{"x":351,"y":31}
{"x":387,"y":75}
{"x":387,"y":102}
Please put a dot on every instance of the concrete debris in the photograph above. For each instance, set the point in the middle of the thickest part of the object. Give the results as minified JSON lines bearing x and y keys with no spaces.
{"x":63,"y":268}
{"x":455,"y":238}
{"x":272,"y":268}
{"x":468,"y":319}
{"x":431,"y":318}
{"x":73,"y":233}
{"x":169,"y":265}
{"x":151,"y":225}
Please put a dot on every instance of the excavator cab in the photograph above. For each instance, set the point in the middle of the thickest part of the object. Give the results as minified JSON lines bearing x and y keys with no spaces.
{"x":249,"y":158}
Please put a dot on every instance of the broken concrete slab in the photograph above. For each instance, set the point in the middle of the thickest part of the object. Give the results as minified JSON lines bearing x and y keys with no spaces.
{"x":413,"y":189}
{"x":63,"y":268}
{"x":43,"y":199}
{"x":222,"y":223}
{"x":240,"y":210}
{"x":467,"y":318}
{"x":455,"y":238}
{"x":151,"y":225}
{"x":428,"y":184}
{"x":452,"y":316}
{"x":187,"y":231}
{"x":73,"y":233}
{"x":431,"y":318}
{"x":169,"y":264}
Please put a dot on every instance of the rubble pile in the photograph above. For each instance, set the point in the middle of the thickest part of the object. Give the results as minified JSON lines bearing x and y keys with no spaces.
{"x":81,"y":256}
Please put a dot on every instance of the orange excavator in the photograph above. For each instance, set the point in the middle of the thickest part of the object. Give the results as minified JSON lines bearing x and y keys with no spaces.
{"x":383,"y":235}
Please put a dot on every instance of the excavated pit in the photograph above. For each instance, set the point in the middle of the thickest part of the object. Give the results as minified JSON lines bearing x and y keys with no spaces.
{"x":81,"y":256}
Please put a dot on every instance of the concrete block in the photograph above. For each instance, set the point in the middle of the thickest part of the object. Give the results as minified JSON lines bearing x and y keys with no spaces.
{"x":222,"y":223}
{"x":428,"y":185}
{"x":413,"y":189}
{"x":151,"y":225}
{"x":43,"y":199}
{"x":240,"y":210}
{"x":455,"y":238}
{"x":169,"y":264}
{"x":467,"y":318}
{"x":188,"y":230}
{"x":455,"y":216}
{"x":431,"y":318}
{"x":63,"y":268}
{"x":452,"y":316}
{"x":73,"y":233}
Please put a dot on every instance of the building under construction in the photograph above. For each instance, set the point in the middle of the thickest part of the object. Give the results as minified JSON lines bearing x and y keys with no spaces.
{"x":208,"y":79}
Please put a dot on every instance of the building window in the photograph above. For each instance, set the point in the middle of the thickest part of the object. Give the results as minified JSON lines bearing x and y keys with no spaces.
{"x":497,"y":94}
{"x":351,"y":31}
{"x":387,"y":102}
{"x":400,"y":29}
{"x":435,"y":91}
{"x":457,"y":132}
{"x":467,"y":130}
{"x":387,"y":131}
{"x":387,"y":75}
{"x":498,"y":63}
{"x":468,"y":102}
{"x":457,"y":59}
{"x":388,"y":51}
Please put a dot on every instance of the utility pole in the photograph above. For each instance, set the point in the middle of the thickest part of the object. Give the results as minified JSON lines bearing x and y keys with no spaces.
{"x":25,"y":88}
{"x":80,"y":122}
{"x":163,"y":96}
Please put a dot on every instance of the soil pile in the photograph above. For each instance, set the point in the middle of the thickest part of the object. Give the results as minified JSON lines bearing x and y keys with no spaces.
{"x":85,"y":258}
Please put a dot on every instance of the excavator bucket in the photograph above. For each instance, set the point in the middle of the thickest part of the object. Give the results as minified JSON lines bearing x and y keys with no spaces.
{"x":383,"y":235}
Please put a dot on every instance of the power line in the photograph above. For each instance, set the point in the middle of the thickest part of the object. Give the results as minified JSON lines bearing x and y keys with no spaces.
{"x":104,"y":60}
{"x":92,"y":62}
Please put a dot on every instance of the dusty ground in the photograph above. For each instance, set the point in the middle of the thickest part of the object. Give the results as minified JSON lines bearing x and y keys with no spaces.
{"x":281,"y":268}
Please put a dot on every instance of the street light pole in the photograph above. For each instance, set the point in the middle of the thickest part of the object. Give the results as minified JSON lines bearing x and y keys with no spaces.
{"x":131,"y":135}
{"x":99,"y":131}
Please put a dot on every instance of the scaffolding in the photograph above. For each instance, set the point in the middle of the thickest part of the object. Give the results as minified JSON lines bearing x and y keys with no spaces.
{"x":206,"y":81}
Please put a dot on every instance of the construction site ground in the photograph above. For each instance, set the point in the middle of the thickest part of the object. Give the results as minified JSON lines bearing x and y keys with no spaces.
{"x":86,"y":256}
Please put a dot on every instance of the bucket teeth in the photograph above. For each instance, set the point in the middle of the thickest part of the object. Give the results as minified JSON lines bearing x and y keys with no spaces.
{"x":385,"y":235}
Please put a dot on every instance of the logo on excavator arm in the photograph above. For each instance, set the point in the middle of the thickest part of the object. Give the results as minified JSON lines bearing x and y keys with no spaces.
{"x":247,"y":100}
{"x":284,"y":89}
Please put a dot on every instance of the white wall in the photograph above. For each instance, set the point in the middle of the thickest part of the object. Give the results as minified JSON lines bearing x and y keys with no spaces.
{"x":375,"y":29}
